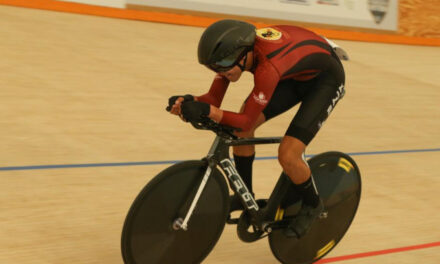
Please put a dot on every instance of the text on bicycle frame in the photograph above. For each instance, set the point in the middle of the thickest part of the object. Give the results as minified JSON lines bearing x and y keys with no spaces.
{"x":239,"y":185}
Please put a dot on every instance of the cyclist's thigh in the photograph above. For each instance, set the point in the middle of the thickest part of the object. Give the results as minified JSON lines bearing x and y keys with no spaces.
{"x":316,"y":106}
{"x":284,"y":97}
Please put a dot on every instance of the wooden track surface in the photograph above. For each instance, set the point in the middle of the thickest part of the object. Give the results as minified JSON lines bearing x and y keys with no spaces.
{"x":79,"y":89}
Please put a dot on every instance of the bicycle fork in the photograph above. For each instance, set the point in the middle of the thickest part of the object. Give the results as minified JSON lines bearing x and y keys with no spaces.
{"x":219,"y":151}
{"x":235,"y":180}
{"x":217,"y":146}
{"x":183,"y":223}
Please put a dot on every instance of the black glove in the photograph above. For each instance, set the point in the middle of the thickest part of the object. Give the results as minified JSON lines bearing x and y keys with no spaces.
{"x":195,"y":111}
{"x":172,"y":100}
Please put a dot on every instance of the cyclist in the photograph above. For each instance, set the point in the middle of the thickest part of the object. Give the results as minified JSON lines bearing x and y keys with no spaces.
{"x":290,"y":65}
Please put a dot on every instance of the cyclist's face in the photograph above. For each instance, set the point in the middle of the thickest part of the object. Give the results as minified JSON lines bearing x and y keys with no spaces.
{"x":233,"y":74}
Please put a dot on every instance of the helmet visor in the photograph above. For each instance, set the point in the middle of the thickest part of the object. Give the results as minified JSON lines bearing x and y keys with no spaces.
{"x":228,"y":62}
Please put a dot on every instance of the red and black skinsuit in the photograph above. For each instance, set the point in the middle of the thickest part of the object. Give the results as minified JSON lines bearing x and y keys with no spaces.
{"x":291,"y":65}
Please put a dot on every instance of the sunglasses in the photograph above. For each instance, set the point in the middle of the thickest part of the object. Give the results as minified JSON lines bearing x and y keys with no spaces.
{"x":229,"y":62}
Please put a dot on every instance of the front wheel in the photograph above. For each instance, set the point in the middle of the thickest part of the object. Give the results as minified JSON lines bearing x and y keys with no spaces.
{"x":148,"y":235}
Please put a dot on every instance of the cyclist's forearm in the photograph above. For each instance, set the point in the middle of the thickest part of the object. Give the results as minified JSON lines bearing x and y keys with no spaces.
{"x":215,"y":114}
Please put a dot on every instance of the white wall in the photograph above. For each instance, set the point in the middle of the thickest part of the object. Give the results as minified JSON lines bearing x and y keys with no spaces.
{"x":349,"y":13}
{"x":108,"y":3}
{"x":376,"y":14}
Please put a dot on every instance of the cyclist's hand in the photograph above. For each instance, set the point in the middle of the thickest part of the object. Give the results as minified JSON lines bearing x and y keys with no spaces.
{"x":174,"y":103}
{"x":195,"y":111}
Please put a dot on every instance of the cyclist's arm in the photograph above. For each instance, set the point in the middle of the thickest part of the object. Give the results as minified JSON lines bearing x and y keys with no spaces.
{"x":216,"y":93}
{"x":266,"y":79}
{"x":215,"y":114}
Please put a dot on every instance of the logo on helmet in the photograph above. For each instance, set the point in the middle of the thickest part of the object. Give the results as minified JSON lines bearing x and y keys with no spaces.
{"x":269,"y":33}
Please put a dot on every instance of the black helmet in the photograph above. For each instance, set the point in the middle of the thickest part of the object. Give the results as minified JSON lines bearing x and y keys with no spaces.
{"x":224,"y":43}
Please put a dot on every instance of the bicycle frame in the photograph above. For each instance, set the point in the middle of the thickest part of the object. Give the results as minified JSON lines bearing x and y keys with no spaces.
{"x":218,"y":155}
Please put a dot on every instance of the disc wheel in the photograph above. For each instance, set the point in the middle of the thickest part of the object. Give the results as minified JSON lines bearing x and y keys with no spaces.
{"x":148,"y":235}
{"x":338,"y":181}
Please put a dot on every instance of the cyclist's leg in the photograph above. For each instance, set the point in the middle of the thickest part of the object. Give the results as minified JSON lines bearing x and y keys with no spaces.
{"x":282,"y":100}
{"x":248,"y":150}
{"x":316,"y":106}
{"x":291,"y":158}
{"x":244,"y":158}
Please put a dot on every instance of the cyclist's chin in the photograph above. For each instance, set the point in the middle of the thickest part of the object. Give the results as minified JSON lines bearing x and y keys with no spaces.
{"x":234,"y":77}
{"x":233,"y":74}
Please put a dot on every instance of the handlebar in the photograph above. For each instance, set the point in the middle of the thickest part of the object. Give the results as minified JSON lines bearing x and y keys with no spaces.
{"x":208,"y":124}
{"x":220,"y":130}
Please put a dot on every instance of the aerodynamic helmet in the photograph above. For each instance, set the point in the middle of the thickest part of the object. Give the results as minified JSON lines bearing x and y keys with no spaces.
{"x":224,"y":43}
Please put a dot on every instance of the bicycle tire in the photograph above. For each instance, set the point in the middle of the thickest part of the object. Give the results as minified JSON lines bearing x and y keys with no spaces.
{"x":148,"y":236}
{"x":338,"y":181}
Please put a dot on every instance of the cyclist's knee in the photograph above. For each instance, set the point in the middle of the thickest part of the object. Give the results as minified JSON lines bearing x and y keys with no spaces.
{"x":251,"y":132}
{"x":290,"y":161}
{"x":290,"y":154}
{"x":245,"y":150}
{"x":245,"y":134}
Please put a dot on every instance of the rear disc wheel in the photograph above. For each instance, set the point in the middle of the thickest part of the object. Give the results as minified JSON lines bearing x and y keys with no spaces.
{"x":338,"y":181}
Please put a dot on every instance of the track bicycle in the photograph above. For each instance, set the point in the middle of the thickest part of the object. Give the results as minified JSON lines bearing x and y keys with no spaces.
{"x":179,"y":216}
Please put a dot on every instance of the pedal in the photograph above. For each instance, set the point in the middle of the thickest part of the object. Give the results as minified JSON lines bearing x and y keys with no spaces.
{"x":277,"y":225}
